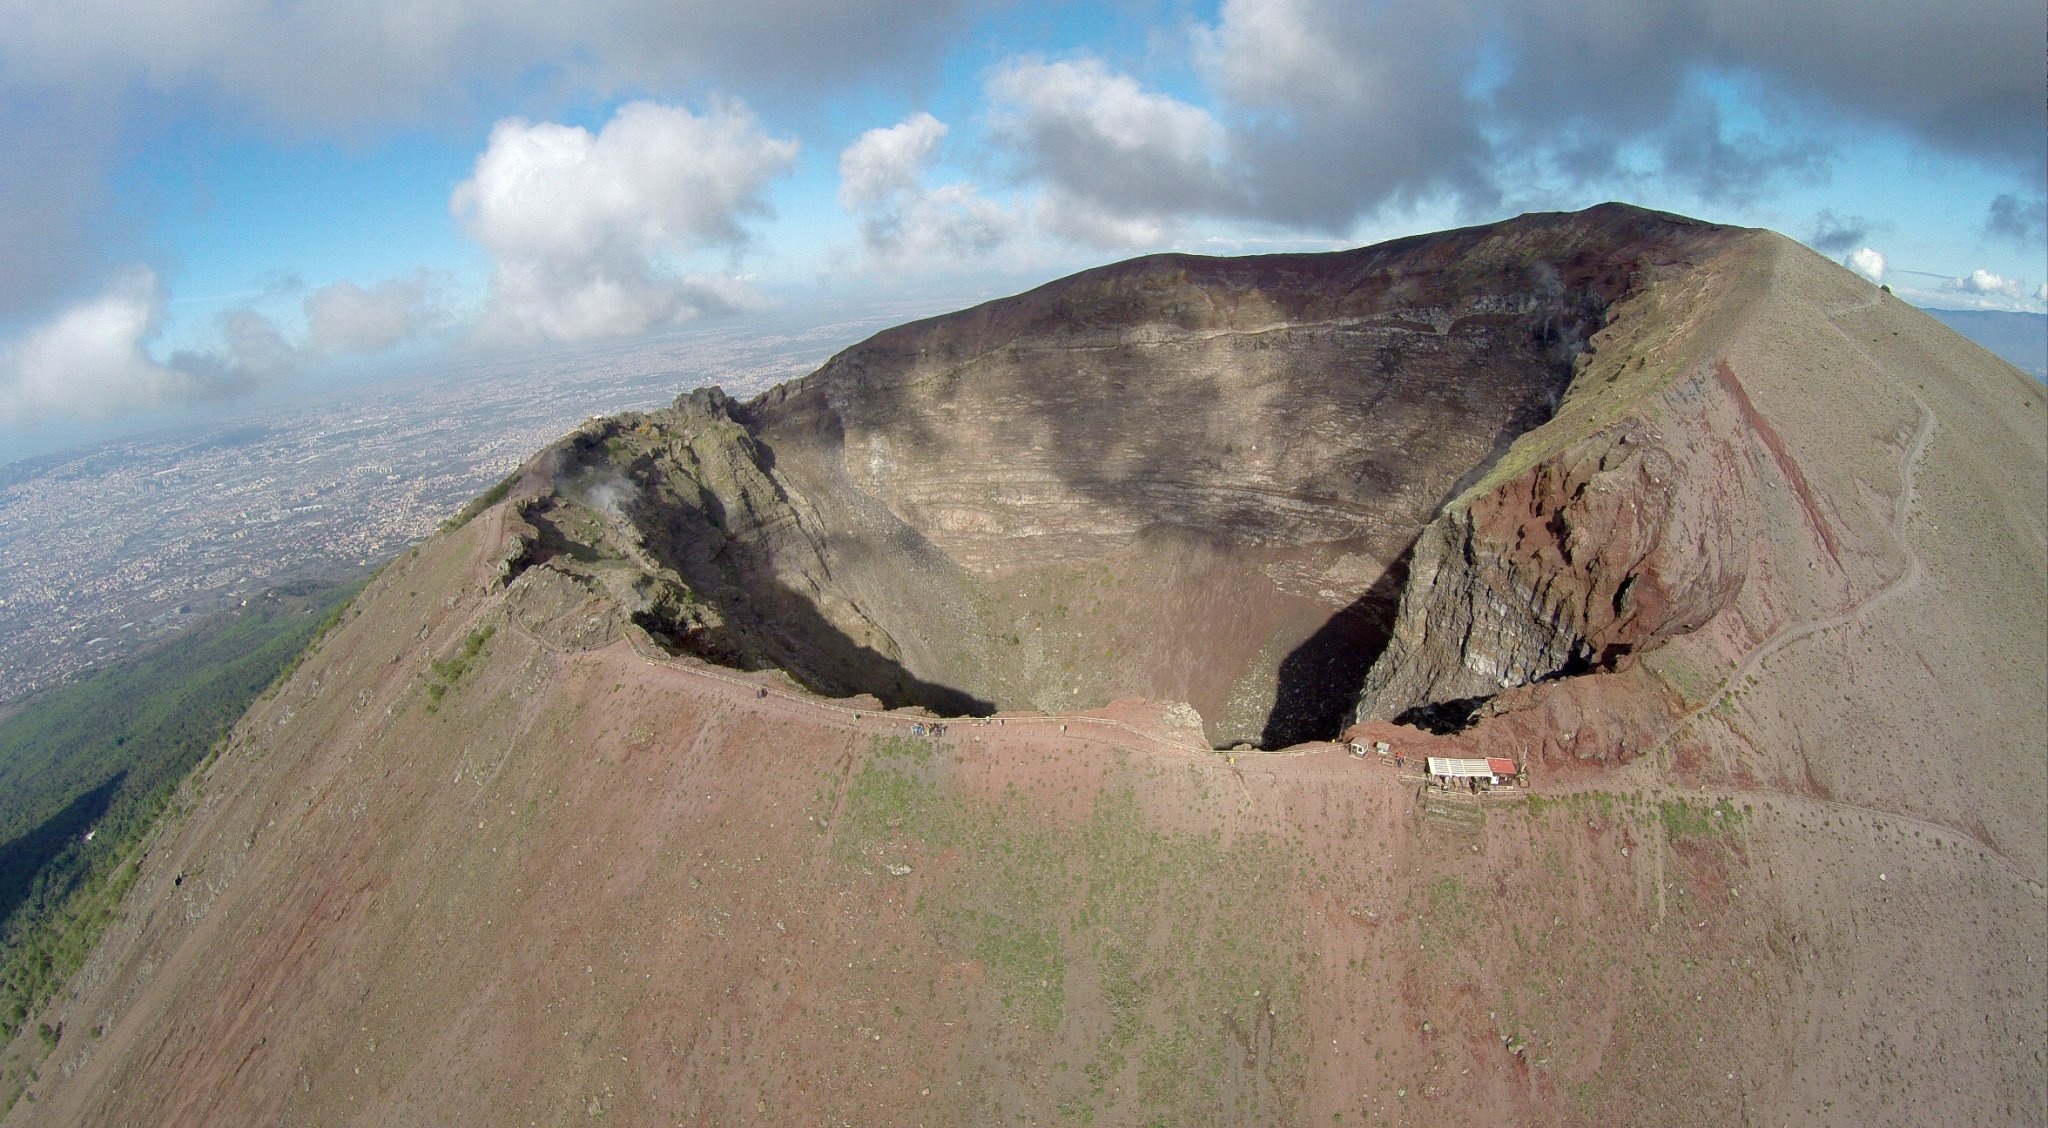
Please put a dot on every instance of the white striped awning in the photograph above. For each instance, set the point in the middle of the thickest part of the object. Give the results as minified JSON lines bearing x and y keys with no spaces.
{"x":1459,"y":768}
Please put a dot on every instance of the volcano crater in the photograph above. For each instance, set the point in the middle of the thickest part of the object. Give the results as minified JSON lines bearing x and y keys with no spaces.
{"x":1178,"y":478}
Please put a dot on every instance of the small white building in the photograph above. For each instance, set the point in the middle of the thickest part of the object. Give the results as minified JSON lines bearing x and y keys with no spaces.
{"x":1494,"y":771}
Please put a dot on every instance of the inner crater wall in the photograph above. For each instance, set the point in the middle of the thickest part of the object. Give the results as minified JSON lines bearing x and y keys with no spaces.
{"x":1179,"y":478}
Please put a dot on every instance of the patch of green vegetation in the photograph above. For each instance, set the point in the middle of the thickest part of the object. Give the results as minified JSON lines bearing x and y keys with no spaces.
{"x":1174,"y":930}
{"x":890,"y":796}
{"x":480,"y":502}
{"x":445,"y":672}
{"x":1683,"y":819}
{"x":1164,"y":1077}
{"x":1024,"y":954}
{"x":103,"y":756}
{"x":1690,"y":684}
{"x":912,"y":750}
{"x":1601,"y":803}
{"x":1450,"y":916}
{"x":525,"y":820}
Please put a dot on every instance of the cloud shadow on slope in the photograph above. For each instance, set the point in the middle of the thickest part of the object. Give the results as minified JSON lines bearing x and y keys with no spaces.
{"x":26,"y":858}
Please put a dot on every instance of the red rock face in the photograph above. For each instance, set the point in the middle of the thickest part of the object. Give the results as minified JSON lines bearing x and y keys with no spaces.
{"x":1587,"y":560}
{"x":1646,"y":528}
{"x":1615,"y":547}
{"x":1724,"y":541}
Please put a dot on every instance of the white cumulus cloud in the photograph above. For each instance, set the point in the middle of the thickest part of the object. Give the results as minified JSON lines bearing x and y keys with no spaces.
{"x":882,"y":179}
{"x":1983,"y":283}
{"x":346,"y":318}
{"x":89,"y":358}
{"x":884,"y":162}
{"x":950,"y":221}
{"x":92,"y":358}
{"x":1868,"y":262}
{"x":586,"y":228}
{"x":253,"y":349}
{"x":1120,"y":162}
{"x":1982,"y":289}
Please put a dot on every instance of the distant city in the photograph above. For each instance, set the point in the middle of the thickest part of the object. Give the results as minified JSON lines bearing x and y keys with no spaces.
{"x":106,"y":549}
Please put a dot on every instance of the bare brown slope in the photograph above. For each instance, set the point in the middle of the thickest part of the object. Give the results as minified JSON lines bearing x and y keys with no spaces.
{"x":594,"y":883}
{"x":597,"y":882}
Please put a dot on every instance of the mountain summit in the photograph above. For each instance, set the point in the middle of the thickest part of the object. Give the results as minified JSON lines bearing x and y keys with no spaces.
{"x":848,"y":753}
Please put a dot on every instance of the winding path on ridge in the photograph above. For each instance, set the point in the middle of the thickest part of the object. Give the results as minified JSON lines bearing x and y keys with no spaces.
{"x":1909,"y":576}
{"x":1647,"y":774}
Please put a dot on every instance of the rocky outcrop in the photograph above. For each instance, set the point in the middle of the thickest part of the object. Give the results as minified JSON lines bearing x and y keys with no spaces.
{"x":1590,"y":557}
{"x":682,"y":520}
{"x":1632,"y":563}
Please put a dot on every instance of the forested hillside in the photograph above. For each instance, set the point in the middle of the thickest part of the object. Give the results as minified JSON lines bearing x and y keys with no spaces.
{"x":86,"y":769}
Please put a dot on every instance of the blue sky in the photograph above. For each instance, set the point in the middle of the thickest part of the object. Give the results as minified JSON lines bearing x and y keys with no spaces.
{"x":210,"y":199}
